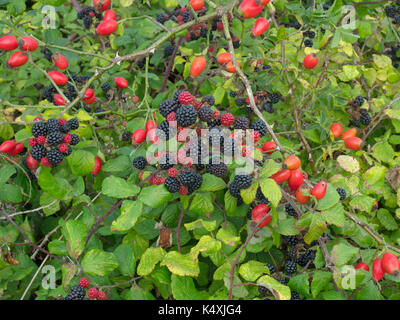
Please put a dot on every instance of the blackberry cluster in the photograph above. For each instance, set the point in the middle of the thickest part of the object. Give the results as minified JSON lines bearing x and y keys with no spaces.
{"x":290,"y":266}
{"x":76,"y":293}
{"x":191,"y":180}
{"x":87,"y":15}
{"x":393,"y":12}
{"x":358,"y":101}
{"x":365,"y":119}
{"x":165,"y":162}
{"x":292,"y":254}
{"x":162,"y":130}
{"x":289,"y":209}
{"x":308,"y":43}
{"x":168,"y":50}
{"x":74,"y":139}
{"x":310,"y":34}
{"x":233,"y":94}
{"x":206,"y":114}
{"x":242,"y":123}
{"x":186,"y":116}
{"x":105,"y":87}
{"x":392,"y":53}
{"x":167,"y":106}
{"x":291,"y":241}
{"x":304,"y":259}
{"x":47,"y":53}
{"x":274,"y":98}
{"x":259,"y":126}
{"x":126,"y":136}
{"x":55,"y":138}
{"x":241,"y":181}
{"x":139,"y":163}
{"x":240,"y":102}
{"x":271,"y":268}
{"x":295,"y":295}
{"x":342,"y":193}
{"x":38,"y":152}
{"x":55,"y":156}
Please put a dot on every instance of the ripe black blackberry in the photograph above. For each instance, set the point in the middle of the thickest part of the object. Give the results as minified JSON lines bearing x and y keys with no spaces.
{"x":47,"y":53}
{"x":242,"y":123}
{"x":292,"y":254}
{"x":100,"y":110}
{"x":167,"y":106}
{"x":87,"y":22}
{"x":52,"y":125}
{"x":302,"y":260}
{"x":229,"y":147}
{"x":74,"y":139}
{"x":239,"y":201}
{"x":165,"y":162}
{"x":283,"y":281}
{"x":271,"y":268}
{"x":358,"y":101}
{"x":235,"y":191}
{"x":81,"y":14}
{"x":38,"y":152}
{"x":390,"y":11}
{"x":187,"y":16}
{"x":206,"y":114}
{"x":55,"y":156}
{"x":295,"y":296}
{"x":236,"y":44}
{"x":39,"y":129}
{"x":356,"y":123}
{"x":105,"y":86}
{"x":126,"y":136}
{"x":296,"y":25}
{"x":240,"y":101}
{"x":365,"y":119}
{"x":342,"y":193}
{"x":160,"y":17}
{"x":162,"y":130}
{"x":74,"y":124}
{"x":233,"y":94}
{"x":291,"y":240}
{"x":172,"y":184}
{"x":290,"y":266}
{"x":259,"y":194}
{"x":289,"y":209}
{"x":186,"y":116}
{"x":99,"y":16}
{"x":259,"y":126}
{"x":217,"y":169}
{"x":266,"y":67}
{"x":55,"y":138}
{"x":274,"y":97}
{"x":76,"y":293}
{"x":262,"y":290}
{"x":198,"y":180}
{"x":68,"y":152}
{"x":209,"y":98}
{"x":66,"y":127}
{"x":268,"y":107}
{"x":187,"y":178}
{"x":139,"y":163}
{"x":308,"y":43}
{"x":168,"y":50}
{"x":243,"y":180}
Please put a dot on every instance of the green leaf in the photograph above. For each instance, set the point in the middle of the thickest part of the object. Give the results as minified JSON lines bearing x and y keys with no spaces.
{"x":252,"y":270}
{"x":10,"y":193}
{"x":249,"y":194}
{"x":330,"y":199}
{"x":130,"y":212}
{"x":126,"y":259}
{"x":300,"y":284}
{"x":58,"y":247}
{"x":121,"y":163}
{"x":271,"y":190}
{"x":81,"y":162}
{"x":68,"y":272}
{"x":280,"y":291}
{"x":317,"y":228}
{"x":374,"y":177}
{"x":205,"y":244}
{"x":270,"y":167}
{"x":387,"y":220}
{"x":50,"y":184}
{"x":75,"y":233}
{"x":137,"y":293}
{"x":212,"y":183}
{"x":181,"y":265}
{"x":363,"y":203}
{"x":226,"y":237}
{"x":369,"y":292}
{"x":383,"y":152}
{"x":116,"y":187}
{"x":202,"y":203}
{"x":201,"y":223}
{"x":99,"y":263}
{"x":149,"y":259}
{"x":230,"y":202}
{"x":183,"y":288}
{"x":287,"y":227}
{"x":342,"y":253}
{"x":349,"y":164}
{"x":6,"y":172}
{"x":147,"y":196}
{"x":320,"y":280}
{"x":335,"y":215}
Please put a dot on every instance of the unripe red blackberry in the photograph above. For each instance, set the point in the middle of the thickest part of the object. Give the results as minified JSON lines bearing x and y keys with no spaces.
{"x":185,"y":98}
{"x":83,"y":282}
{"x":101,"y":295}
{"x":227,"y":119}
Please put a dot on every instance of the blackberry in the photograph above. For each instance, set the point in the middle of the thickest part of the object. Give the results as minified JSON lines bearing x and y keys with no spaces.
{"x":274,"y":97}
{"x":81,"y":14}
{"x":74,"y":139}
{"x":126,"y":136}
{"x":194,"y":36}
{"x":165,"y":162}
{"x":76,"y":293}
{"x":242,"y":123}
{"x":160,"y":17}
{"x":365,"y":119}
{"x":363,"y":111}
{"x":215,"y":123}
{"x":209,"y":98}
{"x":198,"y":180}
{"x":295,"y":296}
{"x":168,"y":50}
{"x":55,"y":156}
{"x":236,"y":44}
{"x":259,"y":126}
{"x":47,"y":54}
{"x":38,"y":152}
{"x":217,"y":169}
{"x":99,"y":16}
{"x":186,"y":17}
{"x":162,"y":130}
{"x":259,"y":194}
{"x":172,"y":184}
{"x":290,"y":266}
{"x":243,"y":180}
{"x":176,"y":95}
{"x":268,"y":107}
{"x":262,"y":290}
{"x":186,"y":116}
{"x":105,"y":86}
{"x":55,"y":138}
{"x":296,"y":25}
{"x":52,"y":125}
{"x":206,"y":114}
{"x":39,"y":129}
{"x":66,"y":127}
{"x":239,"y":201}
{"x":396,"y":19}
{"x":302,"y":260}
{"x":283,"y":281}
{"x":289,"y":209}
{"x":390,"y":11}
{"x":87,"y":22}
{"x":100,"y":110}
{"x":235,"y":191}
{"x":291,"y":240}
{"x":356,"y":123}
{"x":139,"y":163}
{"x":74,"y":124}
{"x":308,"y":43}
{"x":229,"y":147}
{"x":342,"y":193}
{"x":233,"y":94}
{"x":271,"y":268}
{"x":292,"y":253}
{"x":358,"y":101}
{"x":240,"y":101}
{"x":69,"y":151}
{"x":167,"y":106}
{"x":266,"y":67}
{"x":187,"y":178}
{"x":89,"y":9}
